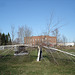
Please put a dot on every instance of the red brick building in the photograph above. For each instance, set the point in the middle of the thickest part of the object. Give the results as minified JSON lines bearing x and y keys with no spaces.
{"x":44,"y":40}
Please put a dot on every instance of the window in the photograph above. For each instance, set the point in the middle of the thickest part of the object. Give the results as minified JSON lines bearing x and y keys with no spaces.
{"x":45,"y":38}
{"x":38,"y":39}
{"x":33,"y":40}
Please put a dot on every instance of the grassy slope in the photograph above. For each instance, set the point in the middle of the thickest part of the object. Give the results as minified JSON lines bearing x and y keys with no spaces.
{"x":68,"y":49}
{"x":27,"y":65}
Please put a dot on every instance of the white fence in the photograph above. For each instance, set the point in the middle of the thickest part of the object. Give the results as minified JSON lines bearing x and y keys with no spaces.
{"x":1,"y":47}
{"x":7,"y":47}
{"x":13,"y":47}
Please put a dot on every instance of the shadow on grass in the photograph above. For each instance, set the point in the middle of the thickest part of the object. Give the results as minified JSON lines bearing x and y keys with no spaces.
{"x":17,"y":59}
{"x":62,"y":61}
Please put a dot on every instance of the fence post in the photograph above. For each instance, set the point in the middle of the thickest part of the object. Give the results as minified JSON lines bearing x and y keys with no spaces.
{"x":39,"y":53}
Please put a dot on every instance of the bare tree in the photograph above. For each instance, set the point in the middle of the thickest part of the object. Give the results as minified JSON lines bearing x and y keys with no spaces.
{"x":16,"y":41}
{"x":12,"y":33}
{"x":53,"y":27}
{"x":27,"y":35}
{"x":74,"y":42}
{"x":64,"y":39}
{"x":24,"y":31}
{"x":0,"y":38}
{"x":57,"y":35}
{"x":21,"y":34}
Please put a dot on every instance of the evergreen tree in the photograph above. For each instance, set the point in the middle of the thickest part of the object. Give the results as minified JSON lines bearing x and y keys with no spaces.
{"x":0,"y":38}
{"x":3,"y":39}
{"x":9,"y":39}
{"x":6,"y":39}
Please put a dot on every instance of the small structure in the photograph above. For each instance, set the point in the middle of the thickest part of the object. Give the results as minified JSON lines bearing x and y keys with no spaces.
{"x":66,"y":44}
{"x":20,"y":50}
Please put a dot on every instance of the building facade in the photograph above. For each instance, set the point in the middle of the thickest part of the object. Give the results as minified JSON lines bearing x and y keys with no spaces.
{"x":37,"y":40}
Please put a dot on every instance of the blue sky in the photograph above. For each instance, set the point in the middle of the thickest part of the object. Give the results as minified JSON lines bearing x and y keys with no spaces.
{"x":36,"y":14}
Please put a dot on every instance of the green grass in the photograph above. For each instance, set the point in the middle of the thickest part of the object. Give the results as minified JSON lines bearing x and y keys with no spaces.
{"x":69,"y":50}
{"x":27,"y":64}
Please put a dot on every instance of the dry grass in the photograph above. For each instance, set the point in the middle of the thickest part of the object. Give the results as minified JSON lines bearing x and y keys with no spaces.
{"x":27,"y":65}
